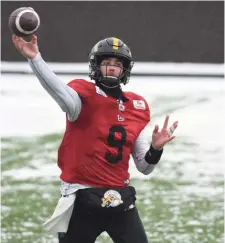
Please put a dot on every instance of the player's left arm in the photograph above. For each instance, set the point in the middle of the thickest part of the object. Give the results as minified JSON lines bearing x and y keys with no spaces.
{"x":146,"y":157}
{"x":144,"y":163}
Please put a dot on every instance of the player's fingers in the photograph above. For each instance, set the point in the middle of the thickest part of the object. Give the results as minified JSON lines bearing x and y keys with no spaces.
{"x":156,"y":129}
{"x":34,"y":39}
{"x":172,"y":128}
{"x":170,"y":138}
{"x":14,"y":39}
{"x":165,"y":125}
{"x":16,"y":43}
{"x":19,"y":44}
{"x":175,"y":124}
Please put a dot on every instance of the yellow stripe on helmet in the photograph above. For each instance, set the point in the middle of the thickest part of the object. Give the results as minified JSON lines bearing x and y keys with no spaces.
{"x":115,"y":43}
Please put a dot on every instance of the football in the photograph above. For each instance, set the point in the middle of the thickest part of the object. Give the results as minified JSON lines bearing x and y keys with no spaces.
{"x":24,"y":22}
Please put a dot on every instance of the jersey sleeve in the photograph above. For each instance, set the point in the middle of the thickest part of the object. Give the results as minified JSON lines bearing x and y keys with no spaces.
{"x":82,"y":87}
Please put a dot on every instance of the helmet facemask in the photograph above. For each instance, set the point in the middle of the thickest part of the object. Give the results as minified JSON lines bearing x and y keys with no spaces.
{"x":106,"y":80}
{"x":110,"y":47}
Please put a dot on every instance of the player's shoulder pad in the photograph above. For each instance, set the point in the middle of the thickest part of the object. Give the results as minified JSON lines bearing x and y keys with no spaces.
{"x":139,"y":101}
{"x":83,"y":87}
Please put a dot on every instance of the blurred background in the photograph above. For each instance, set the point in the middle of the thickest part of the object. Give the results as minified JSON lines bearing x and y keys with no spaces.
{"x":178,"y":49}
{"x":155,"y":31}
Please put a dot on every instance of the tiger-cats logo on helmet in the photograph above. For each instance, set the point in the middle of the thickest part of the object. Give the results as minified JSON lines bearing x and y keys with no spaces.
{"x":111,"y":198}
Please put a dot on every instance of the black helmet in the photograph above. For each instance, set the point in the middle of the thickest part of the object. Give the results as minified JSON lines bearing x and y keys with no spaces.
{"x":110,"y":47}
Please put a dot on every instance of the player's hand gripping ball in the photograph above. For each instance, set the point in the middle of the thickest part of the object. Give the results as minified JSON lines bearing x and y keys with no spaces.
{"x":24,"y":22}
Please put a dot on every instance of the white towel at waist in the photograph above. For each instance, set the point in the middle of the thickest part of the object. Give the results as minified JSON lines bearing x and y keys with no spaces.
{"x":59,"y":220}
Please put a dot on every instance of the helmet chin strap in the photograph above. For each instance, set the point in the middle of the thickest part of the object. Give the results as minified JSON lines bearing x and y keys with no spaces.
{"x":110,"y":82}
{"x":112,"y":88}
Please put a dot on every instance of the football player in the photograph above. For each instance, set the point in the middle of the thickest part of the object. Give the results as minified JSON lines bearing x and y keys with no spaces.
{"x":104,"y":126}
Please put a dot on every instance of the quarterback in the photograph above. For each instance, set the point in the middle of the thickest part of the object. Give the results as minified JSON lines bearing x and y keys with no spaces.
{"x":104,"y":127}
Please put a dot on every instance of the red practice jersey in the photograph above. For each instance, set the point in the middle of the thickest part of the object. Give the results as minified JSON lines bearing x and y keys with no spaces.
{"x":96,"y":147}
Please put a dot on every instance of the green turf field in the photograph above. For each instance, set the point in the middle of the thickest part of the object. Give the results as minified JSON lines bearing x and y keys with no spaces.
{"x":173,"y":210}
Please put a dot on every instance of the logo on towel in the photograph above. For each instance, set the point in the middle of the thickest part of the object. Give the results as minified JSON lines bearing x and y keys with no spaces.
{"x":111,"y":198}
{"x":139,"y":104}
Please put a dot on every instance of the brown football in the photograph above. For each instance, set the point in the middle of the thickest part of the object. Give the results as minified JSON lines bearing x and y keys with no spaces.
{"x":24,"y":22}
